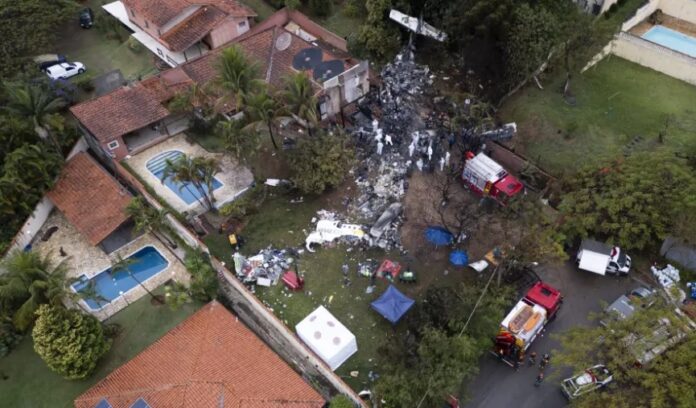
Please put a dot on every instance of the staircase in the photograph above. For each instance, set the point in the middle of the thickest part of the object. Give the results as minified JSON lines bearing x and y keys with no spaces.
{"x":157,"y":164}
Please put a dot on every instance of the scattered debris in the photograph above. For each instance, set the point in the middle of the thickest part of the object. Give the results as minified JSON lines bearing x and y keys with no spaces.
{"x":330,"y":230}
{"x":417,"y":25}
{"x":264,"y":268}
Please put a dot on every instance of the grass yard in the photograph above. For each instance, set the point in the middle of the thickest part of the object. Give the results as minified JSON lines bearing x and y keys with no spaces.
{"x":261,"y":8}
{"x":30,"y":384}
{"x":282,"y":224}
{"x":99,"y":53}
{"x":621,"y":107}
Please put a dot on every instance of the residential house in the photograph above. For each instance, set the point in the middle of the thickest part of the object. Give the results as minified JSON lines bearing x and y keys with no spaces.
{"x":135,"y":117}
{"x":211,"y":360}
{"x":179,"y":30}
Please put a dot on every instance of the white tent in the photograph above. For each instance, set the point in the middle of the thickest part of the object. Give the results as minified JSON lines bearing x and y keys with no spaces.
{"x":327,"y":337}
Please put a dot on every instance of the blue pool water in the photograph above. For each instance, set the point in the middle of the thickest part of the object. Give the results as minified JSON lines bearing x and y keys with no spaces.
{"x":186,"y":191}
{"x":672,"y":39}
{"x":147,"y":262}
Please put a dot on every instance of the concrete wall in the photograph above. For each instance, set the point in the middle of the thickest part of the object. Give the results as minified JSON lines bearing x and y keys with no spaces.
{"x":681,"y":9}
{"x":657,"y":57}
{"x":227,"y":31}
{"x":641,"y":14}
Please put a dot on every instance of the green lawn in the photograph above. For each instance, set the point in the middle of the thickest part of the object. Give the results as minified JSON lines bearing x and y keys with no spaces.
{"x":281,"y":224}
{"x":621,"y":107}
{"x":32,"y":385}
{"x":261,"y":8}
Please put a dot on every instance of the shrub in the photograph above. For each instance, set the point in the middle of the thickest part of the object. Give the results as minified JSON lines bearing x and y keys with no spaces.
{"x":84,"y":82}
{"x":320,"y":162}
{"x":293,"y":4}
{"x":341,"y":401}
{"x":247,"y":204}
{"x":321,"y":8}
{"x":355,"y":8}
{"x":134,"y":45}
{"x":69,"y":341}
{"x":204,"y":283}
{"x":9,"y":337}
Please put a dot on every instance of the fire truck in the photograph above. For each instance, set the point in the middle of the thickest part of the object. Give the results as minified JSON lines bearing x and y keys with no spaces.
{"x":525,"y":321}
{"x":486,"y":177}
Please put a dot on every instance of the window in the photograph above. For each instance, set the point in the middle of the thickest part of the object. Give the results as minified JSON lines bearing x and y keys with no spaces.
{"x":113,"y":145}
{"x":146,"y":24}
{"x":171,"y":61}
{"x":132,"y":12}
{"x":242,"y":24}
{"x":160,"y":52}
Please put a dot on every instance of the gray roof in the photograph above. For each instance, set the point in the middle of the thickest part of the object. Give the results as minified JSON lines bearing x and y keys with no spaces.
{"x":622,"y":306}
{"x":595,"y":246}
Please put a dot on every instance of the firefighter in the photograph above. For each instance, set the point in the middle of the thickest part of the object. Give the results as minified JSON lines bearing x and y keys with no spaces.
{"x":532,"y":358}
{"x":544,"y":361}
{"x":539,"y":379}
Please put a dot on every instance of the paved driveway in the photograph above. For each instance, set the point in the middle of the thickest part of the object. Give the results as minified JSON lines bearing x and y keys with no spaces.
{"x":498,"y":385}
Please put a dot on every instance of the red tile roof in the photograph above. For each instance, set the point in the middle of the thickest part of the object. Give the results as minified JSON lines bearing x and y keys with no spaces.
{"x":160,"y":12}
{"x":122,"y":111}
{"x":92,"y":200}
{"x":193,"y":29}
{"x":211,"y":360}
{"x":167,"y":84}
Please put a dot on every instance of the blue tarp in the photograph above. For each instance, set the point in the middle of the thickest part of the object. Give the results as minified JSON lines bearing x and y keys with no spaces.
{"x":459,"y":257}
{"x":438,"y":236}
{"x":392,"y":304}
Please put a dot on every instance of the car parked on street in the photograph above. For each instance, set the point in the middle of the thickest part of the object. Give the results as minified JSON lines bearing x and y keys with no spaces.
{"x":65,"y":70}
{"x":86,"y":18}
{"x":591,"y":379}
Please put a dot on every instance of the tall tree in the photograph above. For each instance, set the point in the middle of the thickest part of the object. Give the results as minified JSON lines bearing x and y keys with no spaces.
{"x":633,"y":202}
{"x":300,"y":100}
{"x":30,"y":281}
{"x":35,"y":102}
{"x":320,"y":162}
{"x":240,"y":142}
{"x":189,"y":171}
{"x":208,"y":167}
{"x":263,"y":110}
{"x":14,"y":132}
{"x":150,"y":219}
{"x":236,"y":73}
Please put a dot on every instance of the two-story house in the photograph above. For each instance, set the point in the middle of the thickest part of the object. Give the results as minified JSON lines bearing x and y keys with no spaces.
{"x":179,"y":30}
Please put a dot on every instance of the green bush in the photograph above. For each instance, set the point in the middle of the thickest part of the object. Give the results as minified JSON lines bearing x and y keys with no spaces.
{"x":204,"y":283}
{"x":355,"y":8}
{"x":134,"y":45}
{"x":321,"y":8}
{"x":69,"y":341}
{"x":320,"y":162}
{"x":84,"y":82}
{"x":9,"y":337}
{"x":247,"y":204}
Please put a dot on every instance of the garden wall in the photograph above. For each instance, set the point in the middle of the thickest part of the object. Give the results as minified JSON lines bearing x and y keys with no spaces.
{"x":681,"y":9}
{"x":641,"y":14}
{"x":656,"y":57}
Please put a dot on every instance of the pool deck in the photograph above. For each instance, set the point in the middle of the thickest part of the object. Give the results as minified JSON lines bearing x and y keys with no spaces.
{"x":234,"y":177}
{"x":668,"y":21}
{"x":85,"y":259}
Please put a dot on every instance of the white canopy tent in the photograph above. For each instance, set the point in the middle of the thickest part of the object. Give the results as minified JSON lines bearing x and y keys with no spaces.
{"x":327,"y":337}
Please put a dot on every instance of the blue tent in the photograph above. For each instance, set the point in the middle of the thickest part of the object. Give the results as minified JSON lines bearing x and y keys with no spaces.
{"x":459,"y":257}
{"x":438,"y":236}
{"x":392,"y":304}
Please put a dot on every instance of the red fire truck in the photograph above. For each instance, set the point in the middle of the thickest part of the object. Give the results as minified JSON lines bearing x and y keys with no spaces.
{"x":486,"y":177}
{"x":525,"y":321}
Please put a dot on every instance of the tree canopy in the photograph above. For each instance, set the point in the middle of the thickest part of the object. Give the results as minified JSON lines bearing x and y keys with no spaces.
{"x":320,"y":162}
{"x":69,"y":341}
{"x":633,"y":202}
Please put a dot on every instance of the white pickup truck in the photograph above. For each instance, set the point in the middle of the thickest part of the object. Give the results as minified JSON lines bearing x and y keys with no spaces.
{"x":600,"y":258}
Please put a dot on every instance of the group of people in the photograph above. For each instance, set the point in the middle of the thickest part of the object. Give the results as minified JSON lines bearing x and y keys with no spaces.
{"x":542,"y":366}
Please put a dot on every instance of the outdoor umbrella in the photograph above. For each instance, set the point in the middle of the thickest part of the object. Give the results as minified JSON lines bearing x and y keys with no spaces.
{"x":459,"y":257}
{"x":438,"y":236}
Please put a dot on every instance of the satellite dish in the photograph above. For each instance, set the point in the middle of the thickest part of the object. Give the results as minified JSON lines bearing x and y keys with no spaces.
{"x":328,"y":69}
{"x":307,"y":58}
{"x":283,"y":41}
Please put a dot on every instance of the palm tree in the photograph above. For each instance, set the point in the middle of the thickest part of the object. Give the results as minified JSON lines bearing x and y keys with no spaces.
{"x":263,"y":109}
{"x":90,"y":292}
{"x":207,"y":167}
{"x":240,"y":143}
{"x":34,"y":102}
{"x":236,"y":73}
{"x":182,"y":171}
{"x":124,"y":264}
{"x":29,"y":281}
{"x":149,"y":219}
{"x":300,"y":101}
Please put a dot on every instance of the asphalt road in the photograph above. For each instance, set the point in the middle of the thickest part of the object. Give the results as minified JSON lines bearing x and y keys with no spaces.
{"x":499,"y":386}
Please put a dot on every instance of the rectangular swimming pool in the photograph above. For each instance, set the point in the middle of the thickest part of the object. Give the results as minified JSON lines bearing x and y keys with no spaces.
{"x":672,"y":39}
{"x":147,"y":262}
{"x":186,"y":191}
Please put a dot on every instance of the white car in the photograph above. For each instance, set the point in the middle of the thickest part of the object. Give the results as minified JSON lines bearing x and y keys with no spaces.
{"x":591,"y":379}
{"x":65,"y":70}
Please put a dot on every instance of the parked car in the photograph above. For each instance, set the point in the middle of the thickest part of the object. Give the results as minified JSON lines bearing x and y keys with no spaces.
{"x":44,"y":61}
{"x":601,"y":258}
{"x":65,"y":70}
{"x":591,"y":379}
{"x":86,"y":18}
{"x":626,"y":305}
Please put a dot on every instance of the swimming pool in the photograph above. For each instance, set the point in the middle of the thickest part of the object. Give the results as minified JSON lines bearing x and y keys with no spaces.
{"x":186,"y":191}
{"x":672,"y":39}
{"x":147,"y":262}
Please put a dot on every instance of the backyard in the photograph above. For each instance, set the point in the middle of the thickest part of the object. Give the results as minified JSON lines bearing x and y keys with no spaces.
{"x":621,"y":107}
{"x":26,"y":381}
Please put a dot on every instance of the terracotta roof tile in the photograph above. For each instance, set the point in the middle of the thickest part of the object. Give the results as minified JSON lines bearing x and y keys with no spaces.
{"x":167,"y":84}
{"x":193,"y":29}
{"x":92,"y":200}
{"x":160,"y":12}
{"x":210,"y":360}
{"x":119,"y":112}
{"x":233,"y":8}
